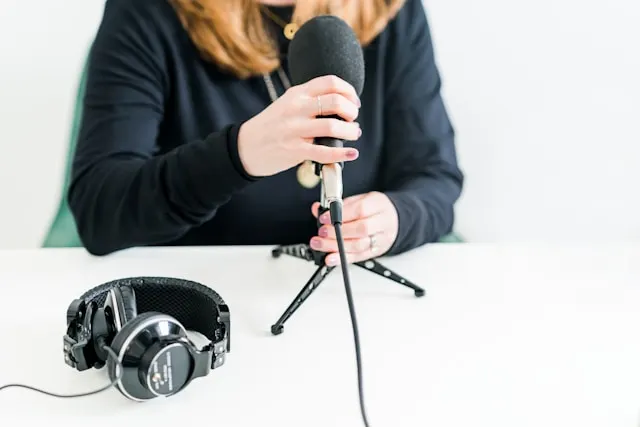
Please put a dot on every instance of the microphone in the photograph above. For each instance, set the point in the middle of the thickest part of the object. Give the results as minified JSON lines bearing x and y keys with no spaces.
{"x":326,"y":45}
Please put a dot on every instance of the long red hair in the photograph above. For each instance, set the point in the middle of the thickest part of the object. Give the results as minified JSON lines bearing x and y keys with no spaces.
{"x":232,"y":34}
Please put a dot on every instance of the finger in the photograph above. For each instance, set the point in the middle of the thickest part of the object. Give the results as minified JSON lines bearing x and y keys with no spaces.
{"x":331,"y":128}
{"x":332,"y":104}
{"x":356,"y":207}
{"x":333,"y":259}
{"x":322,"y":154}
{"x":363,"y":208}
{"x":330,"y":84}
{"x":331,"y":245}
{"x":348,"y":201}
{"x":315,"y":207}
{"x":361,"y":228}
{"x":353,"y":199}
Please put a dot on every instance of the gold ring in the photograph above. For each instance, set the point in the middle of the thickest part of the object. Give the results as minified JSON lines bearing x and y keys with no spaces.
{"x":319,"y":106}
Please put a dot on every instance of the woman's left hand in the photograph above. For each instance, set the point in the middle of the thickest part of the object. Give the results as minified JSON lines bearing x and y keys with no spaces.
{"x":369,"y":228}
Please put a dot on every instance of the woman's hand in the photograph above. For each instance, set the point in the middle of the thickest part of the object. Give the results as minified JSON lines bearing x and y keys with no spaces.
{"x":369,"y":228}
{"x":282,"y":135}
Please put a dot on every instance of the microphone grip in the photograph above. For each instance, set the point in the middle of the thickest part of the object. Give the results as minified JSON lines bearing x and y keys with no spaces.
{"x":328,"y":142}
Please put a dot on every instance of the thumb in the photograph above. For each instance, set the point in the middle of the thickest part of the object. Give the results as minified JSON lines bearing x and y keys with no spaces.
{"x":315,"y":207}
{"x":322,"y":154}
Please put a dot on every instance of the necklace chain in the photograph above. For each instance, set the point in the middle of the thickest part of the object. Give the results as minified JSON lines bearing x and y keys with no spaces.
{"x":289,"y":29}
{"x":270,"y":86}
{"x":275,"y":18}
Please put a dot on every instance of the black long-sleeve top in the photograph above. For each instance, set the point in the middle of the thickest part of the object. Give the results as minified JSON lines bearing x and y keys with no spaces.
{"x":157,"y":162}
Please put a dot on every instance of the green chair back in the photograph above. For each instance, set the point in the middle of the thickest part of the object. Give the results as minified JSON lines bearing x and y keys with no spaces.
{"x":63,"y":232}
{"x":452,"y":238}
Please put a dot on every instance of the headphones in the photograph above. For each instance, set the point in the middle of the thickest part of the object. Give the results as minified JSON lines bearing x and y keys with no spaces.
{"x":144,"y":321}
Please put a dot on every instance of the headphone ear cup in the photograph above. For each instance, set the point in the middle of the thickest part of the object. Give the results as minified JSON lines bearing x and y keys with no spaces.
{"x":130,"y":344}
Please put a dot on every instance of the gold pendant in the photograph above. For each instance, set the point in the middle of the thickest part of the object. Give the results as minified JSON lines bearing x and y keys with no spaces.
{"x":290,"y":30}
{"x":306,"y":175}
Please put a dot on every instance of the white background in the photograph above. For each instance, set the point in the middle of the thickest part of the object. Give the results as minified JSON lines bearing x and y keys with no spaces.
{"x":545,"y":96}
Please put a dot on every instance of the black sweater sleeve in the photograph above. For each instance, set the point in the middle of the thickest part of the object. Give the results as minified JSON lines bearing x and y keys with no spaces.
{"x":121,"y":194}
{"x":421,"y":175}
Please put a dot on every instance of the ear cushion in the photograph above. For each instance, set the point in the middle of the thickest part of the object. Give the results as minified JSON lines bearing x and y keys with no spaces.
{"x":121,"y":337}
{"x":125,"y":298}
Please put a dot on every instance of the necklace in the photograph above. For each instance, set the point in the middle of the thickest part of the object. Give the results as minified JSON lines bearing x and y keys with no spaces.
{"x":289,"y":28}
{"x":306,"y":172}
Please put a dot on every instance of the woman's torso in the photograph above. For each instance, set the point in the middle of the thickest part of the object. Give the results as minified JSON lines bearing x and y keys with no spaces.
{"x":202,"y":99}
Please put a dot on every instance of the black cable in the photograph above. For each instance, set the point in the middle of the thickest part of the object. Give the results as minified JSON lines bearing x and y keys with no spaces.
{"x":112,"y":354}
{"x":336,"y":218}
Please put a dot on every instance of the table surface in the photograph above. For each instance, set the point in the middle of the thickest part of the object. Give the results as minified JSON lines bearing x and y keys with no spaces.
{"x":506,"y":335}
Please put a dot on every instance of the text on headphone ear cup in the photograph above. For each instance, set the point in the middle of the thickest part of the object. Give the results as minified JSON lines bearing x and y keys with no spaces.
{"x":139,"y":345}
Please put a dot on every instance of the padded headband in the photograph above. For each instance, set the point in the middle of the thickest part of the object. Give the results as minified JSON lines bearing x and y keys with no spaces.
{"x":194,"y":305}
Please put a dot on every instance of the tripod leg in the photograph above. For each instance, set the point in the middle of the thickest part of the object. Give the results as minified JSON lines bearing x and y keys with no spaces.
{"x":309,"y":287}
{"x":301,"y":251}
{"x":375,"y":267}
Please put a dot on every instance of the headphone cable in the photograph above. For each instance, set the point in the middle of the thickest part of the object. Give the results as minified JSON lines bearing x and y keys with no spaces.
{"x":335,"y":209}
{"x":113,"y":356}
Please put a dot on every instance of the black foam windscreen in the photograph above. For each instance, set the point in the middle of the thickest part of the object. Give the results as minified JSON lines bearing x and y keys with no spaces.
{"x":326,"y":45}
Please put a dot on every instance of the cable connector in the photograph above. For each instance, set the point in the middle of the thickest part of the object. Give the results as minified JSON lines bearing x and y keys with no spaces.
{"x":335,"y":210}
{"x":331,"y":183}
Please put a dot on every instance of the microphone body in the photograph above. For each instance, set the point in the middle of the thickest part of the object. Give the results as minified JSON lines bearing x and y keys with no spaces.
{"x":323,"y":46}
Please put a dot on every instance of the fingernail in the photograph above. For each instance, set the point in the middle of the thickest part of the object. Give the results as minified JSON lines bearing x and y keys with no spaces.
{"x":359,"y":104}
{"x":324,"y":218}
{"x":316,"y":243}
{"x":359,"y":132}
{"x":352,"y":154}
{"x":323,"y":232}
{"x":332,"y":260}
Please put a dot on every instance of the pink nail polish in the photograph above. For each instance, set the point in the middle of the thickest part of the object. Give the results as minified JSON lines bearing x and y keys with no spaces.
{"x":324,"y":218}
{"x":323,"y":232}
{"x":332,"y":260}
{"x":352,"y":154}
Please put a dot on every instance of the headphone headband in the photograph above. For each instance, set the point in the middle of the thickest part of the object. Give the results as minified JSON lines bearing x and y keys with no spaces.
{"x":194,"y":305}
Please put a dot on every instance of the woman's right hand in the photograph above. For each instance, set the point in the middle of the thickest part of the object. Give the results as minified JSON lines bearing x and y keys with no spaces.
{"x":282,"y":135}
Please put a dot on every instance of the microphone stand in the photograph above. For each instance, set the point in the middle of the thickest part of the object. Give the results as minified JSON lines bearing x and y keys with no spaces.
{"x":329,"y":193}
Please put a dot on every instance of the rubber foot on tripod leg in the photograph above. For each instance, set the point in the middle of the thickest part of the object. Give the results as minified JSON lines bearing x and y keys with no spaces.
{"x":276,"y":253}
{"x":277,"y":329}
{"x":419,"y":292}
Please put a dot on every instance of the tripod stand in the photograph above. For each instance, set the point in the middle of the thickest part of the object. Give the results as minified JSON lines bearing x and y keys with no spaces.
{"x":304,"y":251}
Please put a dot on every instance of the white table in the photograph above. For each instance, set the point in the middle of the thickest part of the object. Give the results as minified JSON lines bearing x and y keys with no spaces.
{"x":506,"y":336}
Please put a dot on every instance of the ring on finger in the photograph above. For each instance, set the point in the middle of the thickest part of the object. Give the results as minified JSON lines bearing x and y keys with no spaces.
{"x":373,"y":243}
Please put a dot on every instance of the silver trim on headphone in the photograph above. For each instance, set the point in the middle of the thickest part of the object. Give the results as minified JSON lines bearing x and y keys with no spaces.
{"x":116,"y":310}
{"x":150,"y":321}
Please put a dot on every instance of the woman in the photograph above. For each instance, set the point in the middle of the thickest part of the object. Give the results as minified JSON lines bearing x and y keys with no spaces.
{"x":192,"y":135}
